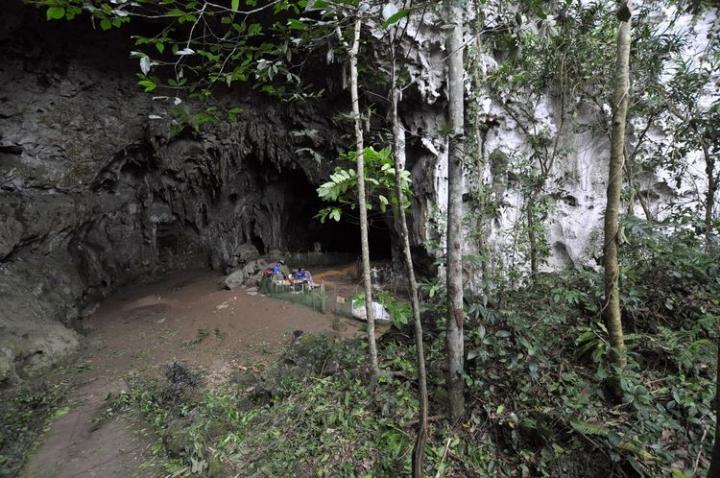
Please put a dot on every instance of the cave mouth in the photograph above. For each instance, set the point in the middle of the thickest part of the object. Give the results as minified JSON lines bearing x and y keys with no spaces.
{"x":342,"y":237}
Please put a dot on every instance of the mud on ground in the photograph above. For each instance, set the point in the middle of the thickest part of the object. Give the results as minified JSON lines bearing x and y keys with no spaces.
{"x":184,"y":317}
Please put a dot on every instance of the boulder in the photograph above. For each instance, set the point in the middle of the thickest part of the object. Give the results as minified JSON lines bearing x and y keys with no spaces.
{"x":254,"y":280}
{"x":31,"y":348}
{"x":247,"y":252}
{"x":235,"y":279}
{"x":274,"y":255}
{"x":379,"y":312}
{"x":246,"y":274}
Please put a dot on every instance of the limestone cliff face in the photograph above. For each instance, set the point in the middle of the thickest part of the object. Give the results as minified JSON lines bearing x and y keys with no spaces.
{"x":577,"y":181}
{"x":95,"y":191}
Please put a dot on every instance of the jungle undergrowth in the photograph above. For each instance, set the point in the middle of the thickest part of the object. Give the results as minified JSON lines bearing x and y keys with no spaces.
{"x":537,"y":404}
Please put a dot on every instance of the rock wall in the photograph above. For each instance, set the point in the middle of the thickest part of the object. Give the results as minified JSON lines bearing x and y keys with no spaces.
{"x":96,"y":191}
{"x":577,"y":181}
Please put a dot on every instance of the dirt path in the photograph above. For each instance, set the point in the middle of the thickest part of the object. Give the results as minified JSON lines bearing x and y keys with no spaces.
{"x":140,"y":329}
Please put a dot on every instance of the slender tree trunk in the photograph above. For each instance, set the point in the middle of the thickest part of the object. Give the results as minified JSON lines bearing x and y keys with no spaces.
{"x":714,"y":471}
{"x":611,"y":311}
{"x":710,"y":194}
{"x":709,"y":204}
{"x":637,"y":194}
{"x":418,"y":458}
{"x":455,"y":320}
{"x":645,"y":208}
{"x":362,"y":201}
{"x":532,"y":237}
{"x":481,"y":188}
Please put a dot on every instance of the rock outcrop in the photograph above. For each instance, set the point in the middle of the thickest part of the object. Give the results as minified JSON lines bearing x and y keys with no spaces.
{"x":577,"y":181}
{"x":247,"y":275}
{"x":98,"y":189}
{"x":99,"y":186}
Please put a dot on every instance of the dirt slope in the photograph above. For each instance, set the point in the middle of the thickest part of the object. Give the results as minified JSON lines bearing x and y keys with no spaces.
{"x":140,"y":329}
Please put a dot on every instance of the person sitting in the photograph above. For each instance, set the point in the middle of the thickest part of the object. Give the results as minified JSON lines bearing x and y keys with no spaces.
{"x":277,"y":269}
{"x":304,"y":277}
{"x":275,"y":272}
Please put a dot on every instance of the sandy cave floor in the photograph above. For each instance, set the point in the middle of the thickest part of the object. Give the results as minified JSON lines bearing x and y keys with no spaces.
{"x":187,"y":317}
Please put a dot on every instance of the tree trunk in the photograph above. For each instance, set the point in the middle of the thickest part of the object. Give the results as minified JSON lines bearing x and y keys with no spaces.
{"x":645,"y":208}
{"x":362,"y":201}
{"x":714,"y":471}
{"x":710,"y":194}
{"x":418,"y":458}
{"x":532,"y":237}
{"x":481,"y":187}
{"x":455,"y":213}
{"x":611,"y":311}
{"x":709,"y":204}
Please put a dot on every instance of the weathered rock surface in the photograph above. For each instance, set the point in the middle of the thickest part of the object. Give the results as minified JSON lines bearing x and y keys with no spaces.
{"x":95,"y":192}
{"x":97,"y":189}
{"x":379,"y":312}
{"x":576,"y":185}
{"x":247,"y":275}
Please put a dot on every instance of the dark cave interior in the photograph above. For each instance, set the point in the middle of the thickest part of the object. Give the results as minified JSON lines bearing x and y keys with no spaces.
{"x":333,"y":236}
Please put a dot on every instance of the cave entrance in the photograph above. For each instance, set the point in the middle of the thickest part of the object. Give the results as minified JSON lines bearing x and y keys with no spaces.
{"x":334,"y":237}
{"x":344,"y":237}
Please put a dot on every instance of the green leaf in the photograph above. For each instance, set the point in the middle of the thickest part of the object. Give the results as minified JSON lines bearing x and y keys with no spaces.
{"x":392,"y":20}
{"x":254,"y":29}
{"x":296,"y":24}
{"x":235,"y":5}
{"x":72,"y":12}
{"x":160,"y":46}
{"x":233,"y":113}
{"x":383,"y":202}
{"x":148,"y":84}
{"x":55,"y":13}
{"x":105,"y":24}
{"x":316,"y":5}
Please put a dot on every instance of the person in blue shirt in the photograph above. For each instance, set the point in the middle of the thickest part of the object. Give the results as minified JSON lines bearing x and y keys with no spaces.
{"x":303,"y":276}
{"x":277,"y":267}
{"x":275,"y":271}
